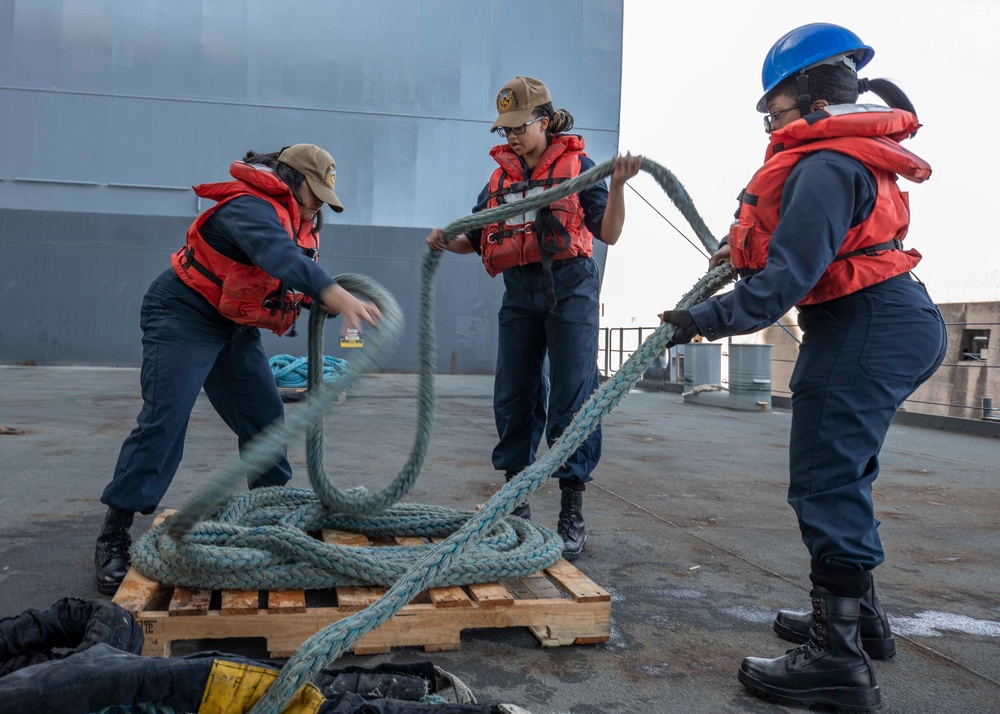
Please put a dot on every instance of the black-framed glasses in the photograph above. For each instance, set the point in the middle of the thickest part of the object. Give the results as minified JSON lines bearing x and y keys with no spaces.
{"x":503,"y":131}
{"x":773,"y":116}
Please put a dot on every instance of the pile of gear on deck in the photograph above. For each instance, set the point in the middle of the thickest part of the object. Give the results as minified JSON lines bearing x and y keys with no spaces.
{"x":83,"y":656}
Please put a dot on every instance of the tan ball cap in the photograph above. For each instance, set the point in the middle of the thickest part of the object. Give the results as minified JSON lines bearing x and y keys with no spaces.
{"x":518,"y":99}
{"x":318,"y":167}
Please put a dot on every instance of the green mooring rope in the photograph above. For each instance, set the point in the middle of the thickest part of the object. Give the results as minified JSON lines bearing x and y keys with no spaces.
{"x":446,"y":563}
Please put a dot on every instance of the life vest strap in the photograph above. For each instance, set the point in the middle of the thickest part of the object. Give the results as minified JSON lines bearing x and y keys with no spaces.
{"x":190,"y":262}
{"x":894,"y":244}
{"x":520,"y":186}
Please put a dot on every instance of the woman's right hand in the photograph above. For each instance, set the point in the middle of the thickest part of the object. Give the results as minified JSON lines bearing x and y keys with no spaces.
{"x":435,"y":240}
{"x":458,"y":244}
{"x":335,"y":300}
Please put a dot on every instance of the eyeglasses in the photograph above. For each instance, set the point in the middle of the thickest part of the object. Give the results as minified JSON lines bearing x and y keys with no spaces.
{"x":503,"y":131}
{"x":769,"y":119}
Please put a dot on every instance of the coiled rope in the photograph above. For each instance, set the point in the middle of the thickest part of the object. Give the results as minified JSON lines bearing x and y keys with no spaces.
{"x":292,"y":372}
{"x":435,"y":564}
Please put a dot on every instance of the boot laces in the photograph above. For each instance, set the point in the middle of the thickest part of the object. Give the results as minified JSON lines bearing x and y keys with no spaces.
{"x":817,"y":632}
{"x":807,"y":651}
{"x":564,"y":523}
{"x":120,"y":538}
{"x":567,"y":515}
{"x":118,"y":534}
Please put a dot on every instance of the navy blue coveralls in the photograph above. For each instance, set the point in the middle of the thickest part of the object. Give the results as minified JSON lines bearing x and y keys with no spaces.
{"x":569,"y":335}
{"x":861,"y":356}
{"x":187,"y":345}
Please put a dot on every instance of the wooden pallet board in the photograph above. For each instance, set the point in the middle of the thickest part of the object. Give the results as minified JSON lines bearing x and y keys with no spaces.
{"x":560,"y":605}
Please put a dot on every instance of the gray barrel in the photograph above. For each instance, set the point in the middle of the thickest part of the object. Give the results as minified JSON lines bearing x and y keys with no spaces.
{"x":750,"y":377}
{"x":702,"y":364}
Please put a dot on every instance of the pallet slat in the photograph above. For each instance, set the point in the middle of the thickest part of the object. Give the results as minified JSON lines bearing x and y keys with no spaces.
{"x":136,"y":591}
{"x":240,"y":602}
{"x":358,"y":598}
{"x":188,"y":601}
{"x":578,"y":585}
{"x":491,"y":594}
{"x":451,"y":596}
{"x":286,"y":601}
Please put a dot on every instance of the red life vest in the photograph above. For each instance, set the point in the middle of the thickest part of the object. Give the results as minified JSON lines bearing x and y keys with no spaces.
{"x":872,"y":250}
{"x":245,"y":293}
{"x":515,"y":241}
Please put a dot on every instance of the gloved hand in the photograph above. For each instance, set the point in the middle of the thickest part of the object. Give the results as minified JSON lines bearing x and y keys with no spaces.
{"x":686,"y":329}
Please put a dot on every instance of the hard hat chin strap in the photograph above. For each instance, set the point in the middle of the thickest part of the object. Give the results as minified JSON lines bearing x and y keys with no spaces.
{"x":805,"y":99}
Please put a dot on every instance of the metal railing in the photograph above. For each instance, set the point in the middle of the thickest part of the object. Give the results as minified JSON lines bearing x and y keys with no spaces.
{"x":616,"y":345}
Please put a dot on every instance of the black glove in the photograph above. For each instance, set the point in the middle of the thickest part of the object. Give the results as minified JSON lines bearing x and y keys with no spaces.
{"x":686,"y":329}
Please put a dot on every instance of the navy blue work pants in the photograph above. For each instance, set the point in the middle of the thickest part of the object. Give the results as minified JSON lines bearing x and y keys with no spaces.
{"x":861,"y":356}
{"x":187,"y":345}
{"x":525,"y":403}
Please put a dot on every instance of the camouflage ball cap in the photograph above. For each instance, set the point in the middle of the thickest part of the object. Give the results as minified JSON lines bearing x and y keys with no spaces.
{"x":517,"y":100}
{"x":318,"y":167}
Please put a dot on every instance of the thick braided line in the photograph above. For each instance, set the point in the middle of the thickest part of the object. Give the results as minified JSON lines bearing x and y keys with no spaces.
{"x":662,"y":175}
{"x":357,"y":500}
{"x":287,"y":558}
{"x":329,"y":643}
{"x":269,"y":445}
{"x":240,"y":539}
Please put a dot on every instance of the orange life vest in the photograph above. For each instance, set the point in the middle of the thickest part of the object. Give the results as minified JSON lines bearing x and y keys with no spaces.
{"x":872,"y":250}
{"x":245,"y":293}
{"x":515,"y":241}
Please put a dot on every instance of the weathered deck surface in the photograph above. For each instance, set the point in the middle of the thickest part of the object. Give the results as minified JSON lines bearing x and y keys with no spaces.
{"x":688,"y":527}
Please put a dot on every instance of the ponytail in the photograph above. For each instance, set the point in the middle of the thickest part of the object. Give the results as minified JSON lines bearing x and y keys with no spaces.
{"x":889,"y":93}
{"x":560,"y":120}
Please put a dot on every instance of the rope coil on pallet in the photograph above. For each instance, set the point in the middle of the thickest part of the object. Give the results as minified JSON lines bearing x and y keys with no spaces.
{"x":435,"y":565}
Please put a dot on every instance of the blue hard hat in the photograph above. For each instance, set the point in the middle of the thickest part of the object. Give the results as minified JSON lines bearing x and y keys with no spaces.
{"x":807,"y":46}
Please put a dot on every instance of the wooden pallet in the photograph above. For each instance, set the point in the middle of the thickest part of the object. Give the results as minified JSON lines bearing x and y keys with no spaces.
{"x":561,"y":606}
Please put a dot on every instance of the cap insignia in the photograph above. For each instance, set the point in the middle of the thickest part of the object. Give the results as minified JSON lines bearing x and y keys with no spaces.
{"x":506,"y":99}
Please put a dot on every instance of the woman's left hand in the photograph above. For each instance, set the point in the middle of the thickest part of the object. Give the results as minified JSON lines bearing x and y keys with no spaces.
{"x":624,"y":168}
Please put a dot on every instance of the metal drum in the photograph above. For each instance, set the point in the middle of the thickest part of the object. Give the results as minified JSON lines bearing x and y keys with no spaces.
{"x":750,"y":377}
{"x":702,"y":364}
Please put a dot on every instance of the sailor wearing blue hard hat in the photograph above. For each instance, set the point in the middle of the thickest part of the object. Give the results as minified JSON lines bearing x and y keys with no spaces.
{"x":820,"y":227}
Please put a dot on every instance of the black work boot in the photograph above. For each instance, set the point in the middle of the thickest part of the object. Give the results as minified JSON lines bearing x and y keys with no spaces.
{"x":571,"y":527}
{"x":830,"y":668}
{"x":876,"y":637}
{"x":111,"y":558}
{"x":523,"y":510}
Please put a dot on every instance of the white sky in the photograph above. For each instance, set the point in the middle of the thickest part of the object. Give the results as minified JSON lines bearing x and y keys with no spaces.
{"x":691,"y":79}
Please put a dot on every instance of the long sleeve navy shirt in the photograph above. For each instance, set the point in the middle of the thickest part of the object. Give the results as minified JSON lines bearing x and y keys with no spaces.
{"x":825,"y":195}
{"x":247,"y":230}
{"x":593,"y":200}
